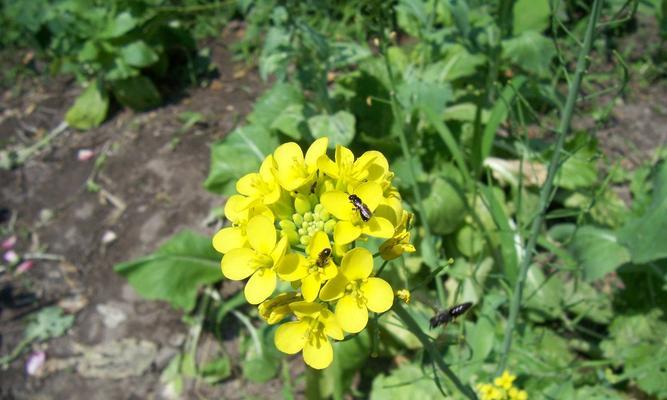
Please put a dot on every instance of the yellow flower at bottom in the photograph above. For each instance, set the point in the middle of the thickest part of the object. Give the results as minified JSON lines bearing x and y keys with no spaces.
{"x":310,"y":333}
{"x":257,"y":262}
{"x":516,"y":394}
{"x":356,"y":292}
{"x":505,"y":380}
{"x":276,"y":309}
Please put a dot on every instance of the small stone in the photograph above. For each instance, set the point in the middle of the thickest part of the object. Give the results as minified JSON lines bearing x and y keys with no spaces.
{"x":35,"y":363}
{"x":108,"y":237}
{"x":85,"y":154}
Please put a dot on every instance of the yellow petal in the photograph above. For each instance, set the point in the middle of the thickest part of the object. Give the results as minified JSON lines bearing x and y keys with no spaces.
{"x":315,"y":151}
{"x":378,"y":227}
{"x":375,"y":163}
{"x":228,"y":238}
{"x":266,"y":169}
{"x":292,"y":267}
{"x":334,"y":288}
{"x":351,"y":315}
{"x":304,"y":309}
{"x":261,"y":234}
{"x":357,"y":264}
{"x":338,"y":204}
{"x":291,"y":337}
{"x":260,"y":286}
{"x":235,"y":208}
{"x":318,"y":352}
{"x":279,"y":251}
{"x":247,"y":185}
{"x":370,"y":193}
{"x":346,"y":232}
{"x":327,"y":166}
{"x":330,"y":271}
{"x":287,"y":155}
{"x":319,"y":242}
{"x":238,"y":264}
{"x":273,"y":195}
{"x":310,"y":287}
{"x":331,"y":326}
{"x":344,"y":156}
{"x":378,"y":293}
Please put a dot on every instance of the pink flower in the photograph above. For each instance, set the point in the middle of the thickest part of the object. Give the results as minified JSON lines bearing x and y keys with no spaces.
{"x":35,"y":363}
{"x":85,"y":154}
{"x":25,"y":266}
{"x":9,"y":243}
{"x":11,"y":257}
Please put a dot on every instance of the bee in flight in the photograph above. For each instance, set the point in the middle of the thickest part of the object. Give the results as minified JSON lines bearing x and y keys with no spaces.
{"x":364,"y":211}
{"x":323,"y":257}
{"x":449,"y":315}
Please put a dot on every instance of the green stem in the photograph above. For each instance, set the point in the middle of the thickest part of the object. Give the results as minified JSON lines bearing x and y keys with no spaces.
{"x":412,"y":325}
{"x":545,"y":192}
{"x":313,"y":378}
{"x":428,"y":237}
{"x":384,"y":264}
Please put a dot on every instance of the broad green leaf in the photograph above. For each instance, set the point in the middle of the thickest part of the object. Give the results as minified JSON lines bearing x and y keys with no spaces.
{"x":644,"y":236}
{"x":579,"y":169}
{"x":138,"y":54}
{"x":445,"y":209}
{"x":263,"y":366}
{"x":406,"y":382}
{"x":241,"y":152}
{"x":464,"y":112}
{"x":508,"y":237}
{"x":637,"y":342}
{"x":480,"y":338}
{"x":176,"y":271}
{"x":597,"y":251}
{"x":585,"y":301}
{"x":339,"y":127}
{"x":416,"y":94}
{"x":344,"y":54}
{"x":469,"y":241}
{"x":291,"y":122}
{"x":121,"y":24}
{"x":531,"y":15}
{"x":530,"y":51}
{"x":458,"y":63}
{"x":543,"y":293}
{"x":217,"y":370}
{"x":276,"y":52}
{"x":138,"y":92}
{"x":89,"y":109}
{"x":272,"y":104}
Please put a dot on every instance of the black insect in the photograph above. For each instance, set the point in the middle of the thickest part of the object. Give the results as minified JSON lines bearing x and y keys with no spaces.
{"x":449,"y":315}
{"x":323,"y":257}
{"x":364,"y":211}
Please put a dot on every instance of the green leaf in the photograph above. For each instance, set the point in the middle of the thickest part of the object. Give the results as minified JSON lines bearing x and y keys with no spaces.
{"x":530,"y":51}
{"x":597,"y":251}
{"x":417,"y":94}
{"x":406,"y":382}
{"x":138,"y":54}
{"x":291,"y":122}
{"x":531,"y":15}
{"x":637,"y":342}
{"x":644,"y":236}
{"x":49,"y":322}
{"x":444,"y":219}
{"x":272,"y":104}
{"x":262,"y":366}
{"x":138,"y":92}
{"x":89,"y":109}
{"x":217,"y":370}
{"x":543,"y":294}
{"x":339,"y":127}
{"x":175,"y":271}
{"x":458,"y":63}
{"x":579,"y":170}
{"x":241,"y":152}
{"x":347,"y":53}
{"x":121,"y":24}
{"x":506,"y":234}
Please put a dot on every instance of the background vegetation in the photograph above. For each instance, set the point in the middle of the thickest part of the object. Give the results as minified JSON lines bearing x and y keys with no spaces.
{"x":472,"y":102}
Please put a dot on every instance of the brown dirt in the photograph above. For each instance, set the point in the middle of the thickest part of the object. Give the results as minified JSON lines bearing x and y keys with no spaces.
{"x":161,"y":188}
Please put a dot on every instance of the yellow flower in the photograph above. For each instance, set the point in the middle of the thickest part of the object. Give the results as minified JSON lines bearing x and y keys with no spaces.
{"x":260,"y":187}
{"x":371,"y":166}
{"x":276,"y":309}
{"x":312,"y":271}
{"x":239,"y":214}
{"x":398,"y":244}
{"x":259,"y":261}
{"x":356,"y":292}
{"x":505,"y":380}
{"x":310,"y":333}
{"x":404,"y":295}
{"x":351,"y":225}
{"x":295,"y":171}
{"x":516,"y":394}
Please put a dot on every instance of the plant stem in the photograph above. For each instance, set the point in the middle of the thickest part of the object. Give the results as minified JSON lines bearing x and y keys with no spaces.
{"x":412,"y":325}
{"x":545,"y":192}
{"x":428,"y":237}
{"x":313,"y":384}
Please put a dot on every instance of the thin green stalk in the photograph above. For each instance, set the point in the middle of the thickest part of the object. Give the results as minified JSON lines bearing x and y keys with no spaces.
{"x":412,"y":325}
{"x":545,"y":192}
{"x":313,"y":378}
{"x":428,"y":237}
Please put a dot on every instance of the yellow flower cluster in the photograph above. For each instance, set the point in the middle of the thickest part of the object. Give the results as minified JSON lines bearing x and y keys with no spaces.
{"x":502,"y":388}
{"x":298,"y":220}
